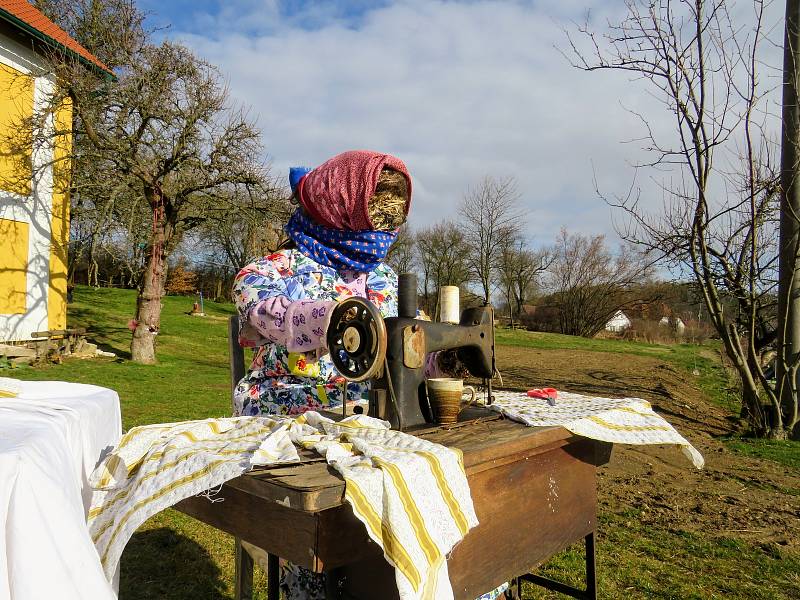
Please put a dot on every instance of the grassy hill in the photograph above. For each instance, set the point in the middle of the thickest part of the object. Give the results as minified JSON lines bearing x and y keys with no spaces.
{"x":666,"y":530}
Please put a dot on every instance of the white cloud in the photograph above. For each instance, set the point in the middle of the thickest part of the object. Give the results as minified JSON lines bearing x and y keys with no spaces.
{"x":457,"y":90}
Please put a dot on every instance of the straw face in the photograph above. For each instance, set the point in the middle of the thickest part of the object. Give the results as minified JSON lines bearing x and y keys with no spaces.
{"x":387,"y":207}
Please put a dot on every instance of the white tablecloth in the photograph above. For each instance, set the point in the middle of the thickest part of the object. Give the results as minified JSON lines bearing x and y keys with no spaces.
{"x":51,"y":438}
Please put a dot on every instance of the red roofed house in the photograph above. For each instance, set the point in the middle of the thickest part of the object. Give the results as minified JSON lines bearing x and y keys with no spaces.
{"x":34,"y":210}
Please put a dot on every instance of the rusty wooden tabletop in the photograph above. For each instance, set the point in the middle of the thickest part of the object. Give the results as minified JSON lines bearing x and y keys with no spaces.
{"x":485,"y":438}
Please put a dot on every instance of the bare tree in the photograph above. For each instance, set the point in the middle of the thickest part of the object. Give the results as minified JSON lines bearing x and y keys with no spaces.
{"x":169,"y":131}
{"x":112,"y":30}
{"x":590,"y":284}
{"x":519,"y":270}
{"x":158,"y":150}
{"x":442,"y":253}
{"x":719,"y":221}
{"x":401,"y":254}
{"x":490,"y":214}
{"x":251,"y":225}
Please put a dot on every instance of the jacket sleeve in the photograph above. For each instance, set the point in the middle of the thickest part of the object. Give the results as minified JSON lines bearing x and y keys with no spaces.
{"x":271,"y":313}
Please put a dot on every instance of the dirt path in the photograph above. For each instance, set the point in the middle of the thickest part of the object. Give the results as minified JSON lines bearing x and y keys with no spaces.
{"x":734,"y":496}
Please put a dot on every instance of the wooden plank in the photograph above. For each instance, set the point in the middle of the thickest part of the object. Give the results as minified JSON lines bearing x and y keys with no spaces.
{"x":342,"y":539}
{"x":243,"y":573}
{"x":279,"y":530}
{"x":308,"y":487}
{"x":527,"y":511}
{"x":59,"y":332}
{"x":491,"y":440}
{"x":14,"y":351}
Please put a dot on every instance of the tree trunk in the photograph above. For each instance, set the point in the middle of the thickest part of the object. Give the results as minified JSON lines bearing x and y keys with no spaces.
{"x":789,"y":287}
{"x":91,"y":271}
{"x":518,"y":300}
{"x":510,"y":302}
{"x":148,"y":302}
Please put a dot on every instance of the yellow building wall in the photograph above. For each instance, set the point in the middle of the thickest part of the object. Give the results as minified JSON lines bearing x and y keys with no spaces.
{"x":13,"y":267}
{"x":16,"y":106}
{"x":59,"y":224}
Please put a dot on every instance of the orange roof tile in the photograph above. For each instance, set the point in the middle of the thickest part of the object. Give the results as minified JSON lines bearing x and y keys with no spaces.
{"x":21,"y":10}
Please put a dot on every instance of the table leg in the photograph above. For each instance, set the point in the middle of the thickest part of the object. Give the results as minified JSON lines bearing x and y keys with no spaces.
{"x":591,"y":574}
{"x":273,"y":577}
{"x":243,"y":583}
{"x":590,"y":593}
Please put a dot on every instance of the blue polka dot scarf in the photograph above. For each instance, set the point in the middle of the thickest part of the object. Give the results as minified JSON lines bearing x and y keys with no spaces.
{"x":340,"y":249}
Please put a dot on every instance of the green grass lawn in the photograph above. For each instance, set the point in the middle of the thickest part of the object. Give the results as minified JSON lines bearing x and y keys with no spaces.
{"x":175,"y":557}
{"x":191,"y":379}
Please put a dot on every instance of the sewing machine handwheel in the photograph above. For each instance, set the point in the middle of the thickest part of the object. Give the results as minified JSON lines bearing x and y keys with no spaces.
{"x":357,"y":339}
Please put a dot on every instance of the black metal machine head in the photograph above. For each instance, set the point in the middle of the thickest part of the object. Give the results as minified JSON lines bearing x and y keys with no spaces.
{"x":391,"y":352}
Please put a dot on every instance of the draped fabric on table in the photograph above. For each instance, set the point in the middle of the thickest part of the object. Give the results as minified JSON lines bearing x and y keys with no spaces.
{"x":615,"y":420}
{"x":52,"y":435}
{"x":156,"y":466}
{"x":412,"y":495}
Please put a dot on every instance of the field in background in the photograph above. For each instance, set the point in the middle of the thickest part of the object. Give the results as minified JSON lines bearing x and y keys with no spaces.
{"x":667,"y":531}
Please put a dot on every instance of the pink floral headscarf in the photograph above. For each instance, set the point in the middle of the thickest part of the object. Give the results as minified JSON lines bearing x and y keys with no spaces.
{"x":336,"y":194}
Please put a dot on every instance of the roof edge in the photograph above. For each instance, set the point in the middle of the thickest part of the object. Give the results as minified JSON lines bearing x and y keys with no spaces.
{"x":46,"y":39}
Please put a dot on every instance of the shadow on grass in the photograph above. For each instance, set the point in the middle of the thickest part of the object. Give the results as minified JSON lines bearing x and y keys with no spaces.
{"x":160,"y":563}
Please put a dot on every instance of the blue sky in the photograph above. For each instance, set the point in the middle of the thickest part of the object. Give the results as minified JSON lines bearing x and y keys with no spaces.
{"x":458,"y":90}
{"x":193,"y":16}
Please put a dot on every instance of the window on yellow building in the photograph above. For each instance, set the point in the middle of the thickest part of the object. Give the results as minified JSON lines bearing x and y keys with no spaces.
{"x":16,"y":110}
{"x":13,"y":266}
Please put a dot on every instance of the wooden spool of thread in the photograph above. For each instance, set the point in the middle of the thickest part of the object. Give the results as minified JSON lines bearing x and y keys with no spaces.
{"x":449,"y":310}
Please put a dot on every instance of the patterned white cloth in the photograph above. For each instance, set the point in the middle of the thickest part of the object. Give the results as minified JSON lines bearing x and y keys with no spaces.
{"x":615,"y":420}
{"x":412,"y":495}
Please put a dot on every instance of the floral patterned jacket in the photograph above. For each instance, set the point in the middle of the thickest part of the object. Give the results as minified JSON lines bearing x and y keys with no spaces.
{"x":284,"y":382}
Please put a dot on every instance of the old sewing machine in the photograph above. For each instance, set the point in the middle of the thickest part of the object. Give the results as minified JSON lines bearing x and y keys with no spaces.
{"x":533,"y":488}
{"x":392,"y":352}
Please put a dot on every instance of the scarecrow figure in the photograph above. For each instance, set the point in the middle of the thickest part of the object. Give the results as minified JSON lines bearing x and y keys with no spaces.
{"x":350,"y":209}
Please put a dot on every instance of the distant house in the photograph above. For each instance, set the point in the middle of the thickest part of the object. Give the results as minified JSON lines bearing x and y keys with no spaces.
{"x":34,"y":210}
{"x":618,"y":323}
{"x":674,"y":322}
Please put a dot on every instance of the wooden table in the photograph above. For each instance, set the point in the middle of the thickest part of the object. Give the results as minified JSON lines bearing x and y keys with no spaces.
{"x":533,"y":489}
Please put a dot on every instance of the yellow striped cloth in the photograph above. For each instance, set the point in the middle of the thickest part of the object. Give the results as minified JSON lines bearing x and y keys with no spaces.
{"x":10,"y":388}
{"x":615,"y":420}
{"x":156,"y":466}
{"x":412,"y":495}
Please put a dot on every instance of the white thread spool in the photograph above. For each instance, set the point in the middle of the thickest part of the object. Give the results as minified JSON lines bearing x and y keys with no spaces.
{"x":449,"y":311}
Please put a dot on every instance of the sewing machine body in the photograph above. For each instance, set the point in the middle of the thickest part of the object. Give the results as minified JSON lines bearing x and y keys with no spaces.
{"x":409,"y":341}
{"x":392,"y":352}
